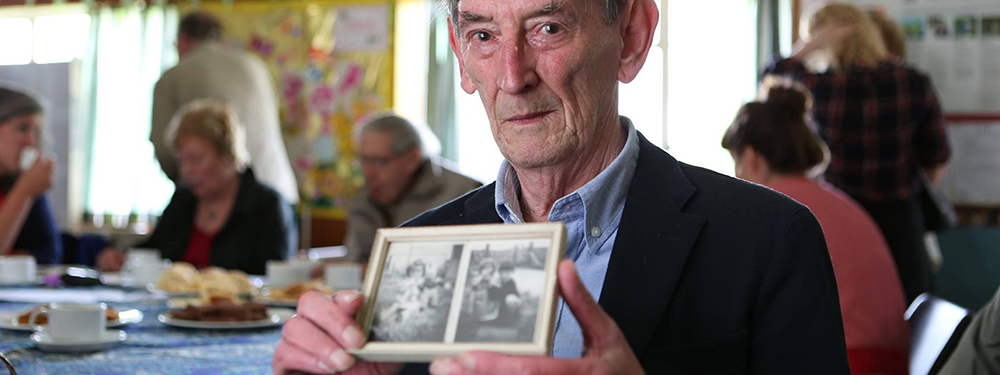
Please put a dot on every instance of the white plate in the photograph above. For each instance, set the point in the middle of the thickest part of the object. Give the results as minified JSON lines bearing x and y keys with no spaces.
{"x":277,"y":317}
{"x":109,"y":339}
{"x":126,"y":317}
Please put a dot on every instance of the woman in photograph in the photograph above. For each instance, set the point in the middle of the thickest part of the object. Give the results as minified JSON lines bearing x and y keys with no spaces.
{"x":220,"y":214}
{"x":26,"y":223}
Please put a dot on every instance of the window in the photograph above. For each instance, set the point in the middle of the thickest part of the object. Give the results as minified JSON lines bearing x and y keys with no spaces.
{"x":712,"y":72}
{"x":16,"y":50}
{"x":60,"y":38}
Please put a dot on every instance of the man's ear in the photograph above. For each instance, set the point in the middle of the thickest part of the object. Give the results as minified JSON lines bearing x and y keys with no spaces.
{"x":638,"y":24}
{"x":455,"y":48}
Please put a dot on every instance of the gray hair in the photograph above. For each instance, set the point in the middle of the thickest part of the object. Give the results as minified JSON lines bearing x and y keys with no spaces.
{"x":402,"y":132}
{"x":14,"y":103}
{"x":612,"y":9}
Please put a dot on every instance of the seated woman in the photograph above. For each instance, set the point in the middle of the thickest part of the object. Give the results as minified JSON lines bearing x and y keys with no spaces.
{"x":26,"y":223}
{"x":772,"y":144}
{"x":220,"y":215}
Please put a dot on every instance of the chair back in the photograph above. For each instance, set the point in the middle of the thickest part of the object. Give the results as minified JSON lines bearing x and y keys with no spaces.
{"x":936,"y":326}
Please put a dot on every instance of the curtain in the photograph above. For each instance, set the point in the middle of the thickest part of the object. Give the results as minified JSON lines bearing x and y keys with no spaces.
{"x":131,"y":46}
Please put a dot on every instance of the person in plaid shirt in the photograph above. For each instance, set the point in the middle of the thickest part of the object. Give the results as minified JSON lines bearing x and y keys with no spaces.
{"x":883,"y":124}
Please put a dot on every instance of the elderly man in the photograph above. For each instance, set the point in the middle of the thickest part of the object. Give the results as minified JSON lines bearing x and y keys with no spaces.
{"x":695,"y":273}
{"x":401,"y":182}
{"x":209,"y":70}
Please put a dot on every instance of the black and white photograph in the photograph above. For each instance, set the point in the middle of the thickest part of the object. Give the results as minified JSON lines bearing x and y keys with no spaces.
{"x":415,"y":293}
{"x":502,"y":289}
{"x":442,"y":291}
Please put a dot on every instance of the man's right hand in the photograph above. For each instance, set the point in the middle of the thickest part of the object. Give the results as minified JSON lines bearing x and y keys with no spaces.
{"x":37,"y":179}
{"x":316,"y":339}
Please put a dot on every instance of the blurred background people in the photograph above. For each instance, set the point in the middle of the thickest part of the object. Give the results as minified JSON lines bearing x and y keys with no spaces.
{"x":27,"y":226}
{"x":772,"y":144}
{"x":209,"y":70}
{"x":401,"y":181}
{"x":883,"y":124}
{"x":220,"y":214}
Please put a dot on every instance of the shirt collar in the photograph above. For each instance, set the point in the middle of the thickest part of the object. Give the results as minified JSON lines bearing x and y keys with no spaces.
{"x":603,"y":197}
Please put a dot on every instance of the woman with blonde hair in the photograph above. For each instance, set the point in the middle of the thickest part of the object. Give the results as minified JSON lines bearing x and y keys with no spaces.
{"x":220,"y":215}
{"x":883,"y":124}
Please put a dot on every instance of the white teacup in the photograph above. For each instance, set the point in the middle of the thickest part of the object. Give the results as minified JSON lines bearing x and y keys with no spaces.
{"x":73,"y":322}
{"x":147,"y":272}
{"x":341,"y":276}
{"x":17,"y":269}
{"x":282,"y":274}
{"x":140,"y":256}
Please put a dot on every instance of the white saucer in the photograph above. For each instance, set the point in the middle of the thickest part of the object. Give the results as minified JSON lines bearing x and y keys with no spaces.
{"x":109,"y":339}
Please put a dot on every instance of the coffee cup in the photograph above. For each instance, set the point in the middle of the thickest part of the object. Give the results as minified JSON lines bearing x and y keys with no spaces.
{"x":17,"y":269}
{"x":145,"y":273}
{"x":140,"y":256}
{"x":282,"y":274}
{"x":74,"y":322}
{"x":340,"y":276}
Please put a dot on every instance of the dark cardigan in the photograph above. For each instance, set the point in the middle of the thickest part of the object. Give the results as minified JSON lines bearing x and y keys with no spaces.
{"x":261,"y":227}
{"x":38,"y":235}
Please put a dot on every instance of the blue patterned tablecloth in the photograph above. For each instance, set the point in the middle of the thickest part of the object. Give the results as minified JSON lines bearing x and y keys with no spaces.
{"x":151,"y":348}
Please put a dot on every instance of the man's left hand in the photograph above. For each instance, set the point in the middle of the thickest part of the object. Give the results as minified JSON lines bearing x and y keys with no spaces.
{"x":605,"y":349}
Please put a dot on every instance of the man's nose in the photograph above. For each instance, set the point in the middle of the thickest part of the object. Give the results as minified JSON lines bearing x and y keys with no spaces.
{"x":517,"y":72}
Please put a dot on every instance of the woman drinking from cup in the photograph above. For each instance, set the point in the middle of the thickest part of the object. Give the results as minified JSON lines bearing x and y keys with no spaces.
{"x":220,"y":215}
{"x":26,"y":223}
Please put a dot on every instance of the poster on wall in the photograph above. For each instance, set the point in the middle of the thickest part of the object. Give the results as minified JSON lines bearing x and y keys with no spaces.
{"x":332,"y":65}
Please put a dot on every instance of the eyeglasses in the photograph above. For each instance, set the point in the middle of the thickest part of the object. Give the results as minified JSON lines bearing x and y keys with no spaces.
{"x":376,"y":161}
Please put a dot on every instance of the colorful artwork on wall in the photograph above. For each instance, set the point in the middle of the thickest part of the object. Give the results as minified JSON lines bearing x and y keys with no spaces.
{"x":332,"y":65}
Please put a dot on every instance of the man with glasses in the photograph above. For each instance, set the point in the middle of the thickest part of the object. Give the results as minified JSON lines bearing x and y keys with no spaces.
{"x":401,"y":181}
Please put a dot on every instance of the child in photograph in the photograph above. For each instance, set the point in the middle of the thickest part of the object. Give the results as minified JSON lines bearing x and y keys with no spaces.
{"x":506,"y":297}
{"x":417,"y":291}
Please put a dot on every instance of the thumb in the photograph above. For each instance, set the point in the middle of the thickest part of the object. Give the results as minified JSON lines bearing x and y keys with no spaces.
{"x":349,"y":301}
{"x":594,"y":322}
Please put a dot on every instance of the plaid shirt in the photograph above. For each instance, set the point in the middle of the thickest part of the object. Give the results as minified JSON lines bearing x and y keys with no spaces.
{"x":882,"y":126}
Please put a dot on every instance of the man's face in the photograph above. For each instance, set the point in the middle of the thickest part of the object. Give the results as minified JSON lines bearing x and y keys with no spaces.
{"x":546,"y":71}
{"x":184,"y":45}
{"x":506,"y":275}
{"x":387,"y":174}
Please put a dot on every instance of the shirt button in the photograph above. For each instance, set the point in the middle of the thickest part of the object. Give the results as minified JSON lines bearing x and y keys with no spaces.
{"x":595,"y":232}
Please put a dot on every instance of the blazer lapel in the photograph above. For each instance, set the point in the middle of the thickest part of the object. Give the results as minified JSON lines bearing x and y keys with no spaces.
{"x":480,"y":208}
{"x":653,"y":242}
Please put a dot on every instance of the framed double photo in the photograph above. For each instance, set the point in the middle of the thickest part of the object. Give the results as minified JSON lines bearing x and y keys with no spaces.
{"x":440,"y":291}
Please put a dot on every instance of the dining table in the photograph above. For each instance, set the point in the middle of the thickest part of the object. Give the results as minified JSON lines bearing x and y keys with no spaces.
{"x":150,"y":348}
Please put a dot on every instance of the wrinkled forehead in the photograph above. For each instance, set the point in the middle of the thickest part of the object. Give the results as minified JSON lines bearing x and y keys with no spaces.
{"x":514,"y":11}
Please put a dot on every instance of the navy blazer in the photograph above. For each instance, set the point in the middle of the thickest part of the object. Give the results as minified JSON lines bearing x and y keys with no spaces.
{"x":709,"y":274}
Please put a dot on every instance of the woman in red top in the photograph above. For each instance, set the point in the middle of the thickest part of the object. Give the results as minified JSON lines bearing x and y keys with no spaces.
{"x":220,"y":215}
{"x":772,"y":145}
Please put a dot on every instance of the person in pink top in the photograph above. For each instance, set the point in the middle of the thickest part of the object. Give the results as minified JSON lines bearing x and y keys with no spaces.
{"x":773,"y":145}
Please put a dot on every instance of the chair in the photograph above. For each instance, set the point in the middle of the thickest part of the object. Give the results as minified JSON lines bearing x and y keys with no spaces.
{"x":936,"y":326}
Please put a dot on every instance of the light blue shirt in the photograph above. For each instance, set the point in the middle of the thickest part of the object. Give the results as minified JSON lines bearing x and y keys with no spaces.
{"x":591,"y":215}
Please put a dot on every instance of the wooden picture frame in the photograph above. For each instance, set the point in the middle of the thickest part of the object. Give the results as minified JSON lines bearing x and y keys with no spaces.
{"x":440,"y":291}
